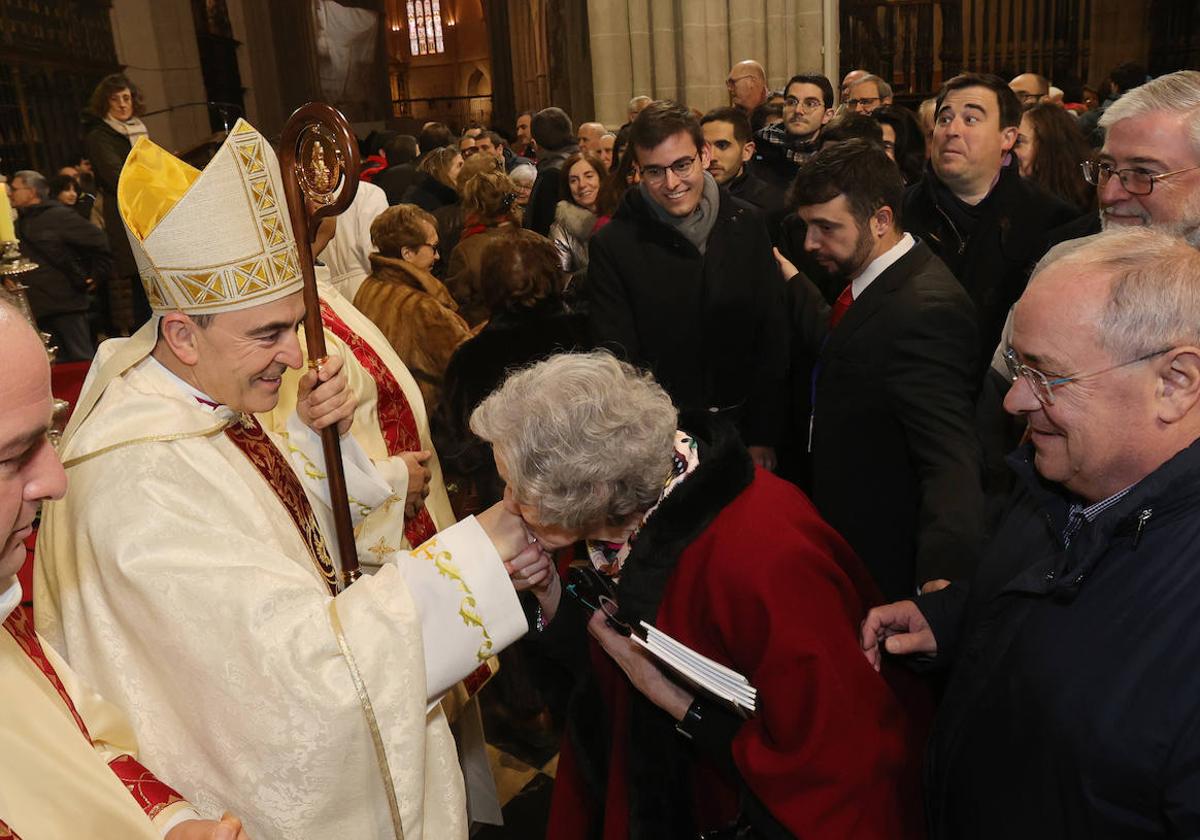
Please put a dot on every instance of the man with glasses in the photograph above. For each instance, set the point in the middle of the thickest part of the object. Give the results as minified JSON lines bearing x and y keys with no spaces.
{"x":1148,"y":172}
{"x":747,"y":86}
{"x":681,"y":281}
{"x":890,"y":373}
{"x":1072,"y":700}
{"x":781,"y":148}
{"x":1030,"y":88}
{"x":868,"y":93}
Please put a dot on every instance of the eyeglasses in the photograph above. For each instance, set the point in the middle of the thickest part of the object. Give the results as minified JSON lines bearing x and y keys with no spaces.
{"x":1133,"y":181}
{"x":866,"y":101}
{"x":732,"y":81}
{"x":1043,"y":386}
{"x":1028,"y":98}
{"x":682,"y":168}
{"x":809,"y":104}
{"x":432,"y":246}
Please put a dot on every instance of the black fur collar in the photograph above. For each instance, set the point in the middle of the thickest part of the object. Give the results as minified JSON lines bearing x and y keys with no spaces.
{"x":725,"y":470}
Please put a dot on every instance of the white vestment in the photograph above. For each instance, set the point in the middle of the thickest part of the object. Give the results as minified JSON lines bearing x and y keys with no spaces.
{"x":175,"y":580}
{"x":55,"y":781}
{"x":348,"y":254}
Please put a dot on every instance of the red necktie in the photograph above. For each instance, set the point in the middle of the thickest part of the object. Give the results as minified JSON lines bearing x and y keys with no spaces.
{"x":841,"y":306}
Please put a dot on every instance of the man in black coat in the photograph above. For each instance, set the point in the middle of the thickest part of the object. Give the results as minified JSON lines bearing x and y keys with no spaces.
{"x":70,"y":252}
{"x":682,"y":282}
{"x":727,"y":133}
{"x":1072,"y":706}
{"x":555,"y":137}
{"x":973,"y":209}
{"x":890,"y":370}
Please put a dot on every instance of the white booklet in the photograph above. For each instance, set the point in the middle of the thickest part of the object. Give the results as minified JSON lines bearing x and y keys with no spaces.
{"x":721,"y":683}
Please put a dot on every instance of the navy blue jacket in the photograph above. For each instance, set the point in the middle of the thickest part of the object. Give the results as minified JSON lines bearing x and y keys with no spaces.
{"x":1073,"y":706}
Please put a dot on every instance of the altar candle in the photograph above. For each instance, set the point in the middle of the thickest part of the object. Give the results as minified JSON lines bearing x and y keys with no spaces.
{"x":7,"y":233}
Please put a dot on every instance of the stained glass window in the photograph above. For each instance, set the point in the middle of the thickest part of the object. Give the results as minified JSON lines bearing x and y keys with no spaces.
{"x":425,"y":27}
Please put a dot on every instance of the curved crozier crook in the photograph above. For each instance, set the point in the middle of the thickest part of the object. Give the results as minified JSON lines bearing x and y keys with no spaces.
{"x":318,"y":162}
{"x":324,"y":156}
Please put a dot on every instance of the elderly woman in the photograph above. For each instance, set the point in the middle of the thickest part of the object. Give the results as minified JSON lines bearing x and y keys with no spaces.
{"x":408,"y":304}
{"x":490,"y":212}
{"x":731,"y":561}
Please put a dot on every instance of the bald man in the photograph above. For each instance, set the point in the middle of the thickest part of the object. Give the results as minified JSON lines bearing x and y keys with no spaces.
{"x":1030,"y":88}
{"x":747,"y":85}
{"x":636,"y":105}
{"x":589,"y":137}
{"x":850,"y":79}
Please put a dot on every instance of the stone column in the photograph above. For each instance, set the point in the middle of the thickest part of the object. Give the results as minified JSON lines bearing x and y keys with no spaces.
{"x":156,"y":40}
{"x":683,"y":49}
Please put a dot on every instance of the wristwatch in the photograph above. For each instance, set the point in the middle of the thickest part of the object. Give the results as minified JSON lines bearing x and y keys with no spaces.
{"x":692,"y":719}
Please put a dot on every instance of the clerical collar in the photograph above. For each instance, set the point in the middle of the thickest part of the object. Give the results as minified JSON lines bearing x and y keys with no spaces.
{"x":187,"y":388}
{"x":881,"y":264}
{"x":10,"y":598}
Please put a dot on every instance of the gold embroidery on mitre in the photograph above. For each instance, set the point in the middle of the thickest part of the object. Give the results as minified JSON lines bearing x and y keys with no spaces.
{"x":269,"y":271}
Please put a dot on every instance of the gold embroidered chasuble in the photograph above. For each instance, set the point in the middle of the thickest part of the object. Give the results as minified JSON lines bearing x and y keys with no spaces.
{"x":172,"y":577}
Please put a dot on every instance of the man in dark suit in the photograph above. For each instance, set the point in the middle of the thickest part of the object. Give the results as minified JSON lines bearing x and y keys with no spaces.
{"x":895,"y":462}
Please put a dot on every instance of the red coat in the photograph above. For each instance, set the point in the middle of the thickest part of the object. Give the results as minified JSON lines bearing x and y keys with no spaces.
{"x":738,"y":565}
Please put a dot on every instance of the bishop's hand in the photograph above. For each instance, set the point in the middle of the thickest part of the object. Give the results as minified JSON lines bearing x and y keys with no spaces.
{"x":505,"y":529}
{"x":228,"y":827}
{"x":324,"y":397}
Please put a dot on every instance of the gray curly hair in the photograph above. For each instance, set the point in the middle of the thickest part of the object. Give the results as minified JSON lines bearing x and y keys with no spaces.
{"x":585,"y":439}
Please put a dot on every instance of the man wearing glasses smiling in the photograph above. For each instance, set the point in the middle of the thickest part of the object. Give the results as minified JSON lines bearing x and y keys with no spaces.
{"x":1073,"y":695}
{"x":1148,"y":172}
{"x":682,"y":282}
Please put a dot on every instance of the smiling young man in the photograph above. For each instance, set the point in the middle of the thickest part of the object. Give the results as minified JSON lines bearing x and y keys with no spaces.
{"x":1071,"y":705}
{"x":191,"y":573}
{"x":895,"y":463}
{"x":973,"y":209}
{"x":681,"y":281}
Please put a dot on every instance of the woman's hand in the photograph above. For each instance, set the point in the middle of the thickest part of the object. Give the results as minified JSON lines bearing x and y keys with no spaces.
{"x":646,"y":677}
{"x":533,"y":569}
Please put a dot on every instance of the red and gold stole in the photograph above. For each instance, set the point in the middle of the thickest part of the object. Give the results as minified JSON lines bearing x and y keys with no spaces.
{"x":150,"y":794}
{"x":397,"y":422}
{"x":248,"y":436}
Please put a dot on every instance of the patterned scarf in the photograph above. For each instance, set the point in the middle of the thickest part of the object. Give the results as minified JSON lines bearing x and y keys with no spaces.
{"x":608,"y":557}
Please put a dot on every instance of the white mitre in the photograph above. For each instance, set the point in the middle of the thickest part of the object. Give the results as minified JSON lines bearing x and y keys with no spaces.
{"x":205,"y":242}
{"x":211,"y":241}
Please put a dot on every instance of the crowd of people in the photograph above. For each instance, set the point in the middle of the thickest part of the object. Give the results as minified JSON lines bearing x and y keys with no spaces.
{"x":889,"y":410}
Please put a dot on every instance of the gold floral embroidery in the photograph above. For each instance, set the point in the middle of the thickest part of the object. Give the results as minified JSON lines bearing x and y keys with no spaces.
{"x":468,"y":610}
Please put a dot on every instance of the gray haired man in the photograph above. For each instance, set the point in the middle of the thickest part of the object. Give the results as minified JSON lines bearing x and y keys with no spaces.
{"x":1073,"y":697}
{"x":72,"y":256}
